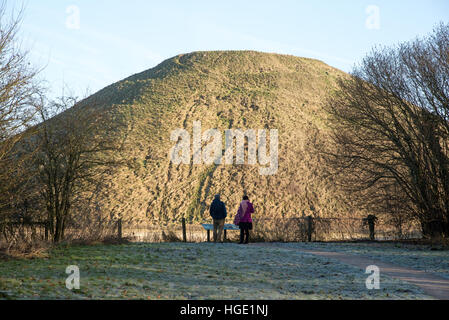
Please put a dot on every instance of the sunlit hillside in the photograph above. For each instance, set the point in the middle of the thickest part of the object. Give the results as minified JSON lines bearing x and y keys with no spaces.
{"x":223,"y":90}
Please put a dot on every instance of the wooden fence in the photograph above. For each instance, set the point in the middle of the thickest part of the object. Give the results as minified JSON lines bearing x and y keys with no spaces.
{"x":26,"y":229}
{"x":267,"y":229}
{"x":264,"y":229}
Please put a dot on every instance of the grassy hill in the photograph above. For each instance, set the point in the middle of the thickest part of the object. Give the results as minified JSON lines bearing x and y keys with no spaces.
{"x":222,"y":89}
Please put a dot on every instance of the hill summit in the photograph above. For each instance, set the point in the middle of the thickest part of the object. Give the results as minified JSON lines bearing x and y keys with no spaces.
{"x":221,"y":90}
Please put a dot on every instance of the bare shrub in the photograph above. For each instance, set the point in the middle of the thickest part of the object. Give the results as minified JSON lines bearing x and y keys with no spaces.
{"x":397,"y":103}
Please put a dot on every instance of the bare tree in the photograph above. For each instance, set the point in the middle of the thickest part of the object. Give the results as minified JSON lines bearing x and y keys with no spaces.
{"x":391,"y":130}
{"x":76,"y":142}
{"x":19,"y":91}
{"x":49,"y":151}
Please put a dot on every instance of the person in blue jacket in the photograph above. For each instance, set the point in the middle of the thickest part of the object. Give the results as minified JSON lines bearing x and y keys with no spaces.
{"x":218,"y":214}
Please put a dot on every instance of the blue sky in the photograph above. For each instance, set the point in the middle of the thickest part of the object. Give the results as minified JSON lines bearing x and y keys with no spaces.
{"x":89,"y":44}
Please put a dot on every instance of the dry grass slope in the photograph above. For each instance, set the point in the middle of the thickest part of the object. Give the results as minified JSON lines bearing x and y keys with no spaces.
{"x":223,"y":89}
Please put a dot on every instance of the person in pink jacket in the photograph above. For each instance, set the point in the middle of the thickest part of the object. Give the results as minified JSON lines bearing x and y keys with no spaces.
{"x":244,"y":220}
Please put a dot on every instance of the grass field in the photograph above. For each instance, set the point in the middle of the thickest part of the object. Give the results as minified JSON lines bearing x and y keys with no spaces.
{"x":191,"y":271}
{"x":420,"y":257}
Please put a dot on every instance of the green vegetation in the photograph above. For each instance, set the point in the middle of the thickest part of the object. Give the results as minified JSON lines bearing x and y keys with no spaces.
{"x":191,"y":271}
{"x":196,"y":209}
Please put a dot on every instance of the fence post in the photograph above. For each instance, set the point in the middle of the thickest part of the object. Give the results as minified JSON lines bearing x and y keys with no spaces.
{"x":47,"y":224}
{"x":371,"y":219}
{"x":309,"y":228}
{"x":184,"y":231}
{"x":119,"y":229}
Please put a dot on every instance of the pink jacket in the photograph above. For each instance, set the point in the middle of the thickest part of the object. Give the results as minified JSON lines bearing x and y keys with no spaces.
{"x":246,"y":216}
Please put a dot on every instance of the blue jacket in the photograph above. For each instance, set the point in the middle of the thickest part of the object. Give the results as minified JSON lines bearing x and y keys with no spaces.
{"x":218,"y":210}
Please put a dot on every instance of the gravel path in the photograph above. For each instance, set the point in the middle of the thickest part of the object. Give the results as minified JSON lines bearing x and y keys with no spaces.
{"x":431,"y":284}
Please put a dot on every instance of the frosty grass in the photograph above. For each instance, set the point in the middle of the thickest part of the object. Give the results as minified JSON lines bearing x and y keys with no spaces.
{"x":205,"y":271}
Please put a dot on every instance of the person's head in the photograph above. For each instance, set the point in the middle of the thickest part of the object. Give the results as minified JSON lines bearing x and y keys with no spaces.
{"x":217,"y":196}
{"x":245,"y":198}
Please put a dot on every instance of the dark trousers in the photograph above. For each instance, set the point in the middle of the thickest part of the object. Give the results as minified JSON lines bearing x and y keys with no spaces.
{"x":244,"y":231}
{"x":218,"y":229}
